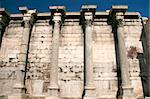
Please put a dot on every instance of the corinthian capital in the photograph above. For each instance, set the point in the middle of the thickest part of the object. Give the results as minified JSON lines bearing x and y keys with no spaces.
{"x":57,"y":18}
{"x":117,"y":13}
{"x":88,"y":18}
{"x":28,"y":16}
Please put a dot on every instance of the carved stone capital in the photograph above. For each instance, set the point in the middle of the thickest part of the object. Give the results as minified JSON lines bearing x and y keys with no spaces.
{"x":28,"y":16}
{"x":117,"y":14}
{"x":57,"y":18}
{"x":88,"y":18}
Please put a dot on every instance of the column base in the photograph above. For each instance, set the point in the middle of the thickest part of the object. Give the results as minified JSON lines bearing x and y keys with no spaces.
{"x":19,"y":88}
{"x":90,"y":92}
{"x":128,"y":92}
{"x":53,"y":91}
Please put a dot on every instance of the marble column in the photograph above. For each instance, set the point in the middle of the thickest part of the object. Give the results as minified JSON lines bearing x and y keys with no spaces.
{"x":53,"y":87}
{"x":28,"y":19}
{"x":89,"y":83}
{"x":124,"y":65}
{"x":57,"y":13}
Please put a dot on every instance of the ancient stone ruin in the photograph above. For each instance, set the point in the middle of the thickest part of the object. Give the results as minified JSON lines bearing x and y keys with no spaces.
{"x":74,"y":55}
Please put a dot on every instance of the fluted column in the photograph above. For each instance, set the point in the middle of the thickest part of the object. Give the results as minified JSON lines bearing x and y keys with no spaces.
{"x":28,"y":19}
{"x":124,"y":65}
{"x":89,"y":83}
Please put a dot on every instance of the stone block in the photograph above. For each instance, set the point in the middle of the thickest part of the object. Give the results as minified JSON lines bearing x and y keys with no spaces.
{"x":37,"y":86}
{"x":17,"y":97}
{"x":51,"y":97}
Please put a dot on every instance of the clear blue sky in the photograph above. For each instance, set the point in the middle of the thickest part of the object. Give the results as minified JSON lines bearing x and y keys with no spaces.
{"x":141,"y":6}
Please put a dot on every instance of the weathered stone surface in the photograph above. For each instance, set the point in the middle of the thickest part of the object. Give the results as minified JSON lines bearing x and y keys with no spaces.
{"x":71,"y":66}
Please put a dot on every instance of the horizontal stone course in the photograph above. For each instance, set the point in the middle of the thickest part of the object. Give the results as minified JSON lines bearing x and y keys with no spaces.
{"x":71,"y":55}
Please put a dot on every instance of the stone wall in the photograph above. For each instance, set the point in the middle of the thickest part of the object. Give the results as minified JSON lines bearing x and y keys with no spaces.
{"x":71,"y":57}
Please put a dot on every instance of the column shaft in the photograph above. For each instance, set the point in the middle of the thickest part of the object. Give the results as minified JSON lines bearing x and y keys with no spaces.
{"x":88,"y":56}
{"x":124,"y":65}
{"x":89,"y":83}
{"x":55,"y":50}
{"x":53,"y":87}
{"x":123,"y":57}
{"x":23,"y":56}
{"x":28,"y":21}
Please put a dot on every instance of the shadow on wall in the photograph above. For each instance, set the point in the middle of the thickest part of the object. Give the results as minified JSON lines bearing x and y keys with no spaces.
{"x":144,"y":59}
{"x":143,"y":74}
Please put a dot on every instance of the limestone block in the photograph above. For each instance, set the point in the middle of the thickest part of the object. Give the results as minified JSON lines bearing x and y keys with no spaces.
{"x":51,"y":97}
{"x":7,"y":72}
{"x":113,"y":85}
{"x":16,"y":97}
{"x":71,"y":89}
{"x":42,"y":29}
{"x":37,"y":86}
{"x":102,"y":29}
{"x":6,"y":86}
{"x":137,"y":85}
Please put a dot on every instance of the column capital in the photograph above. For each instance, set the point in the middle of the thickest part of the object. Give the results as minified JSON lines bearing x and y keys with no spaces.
{"x":28,"y":16}
{"x":119,"y":8}
{"x":88,"y":18}
{"x":88,"y":8}
{"x":57,"y":9}
{"x":57,"y":13}
{"x":117,"y":13}
{"x":57,"y":17}
{"x":4,"y":17}
{"x":87,"y":13}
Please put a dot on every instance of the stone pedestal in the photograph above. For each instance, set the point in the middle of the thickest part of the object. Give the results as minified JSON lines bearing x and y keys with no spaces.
{"x":90,"y":93}
{"x":37,"y":86}
{"x":128,"y":92}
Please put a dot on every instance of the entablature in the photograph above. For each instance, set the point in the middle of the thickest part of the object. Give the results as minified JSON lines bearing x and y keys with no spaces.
{"x":75,"y":17}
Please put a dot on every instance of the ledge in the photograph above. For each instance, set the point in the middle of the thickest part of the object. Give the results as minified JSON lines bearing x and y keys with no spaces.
{"x":47,"y":15}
